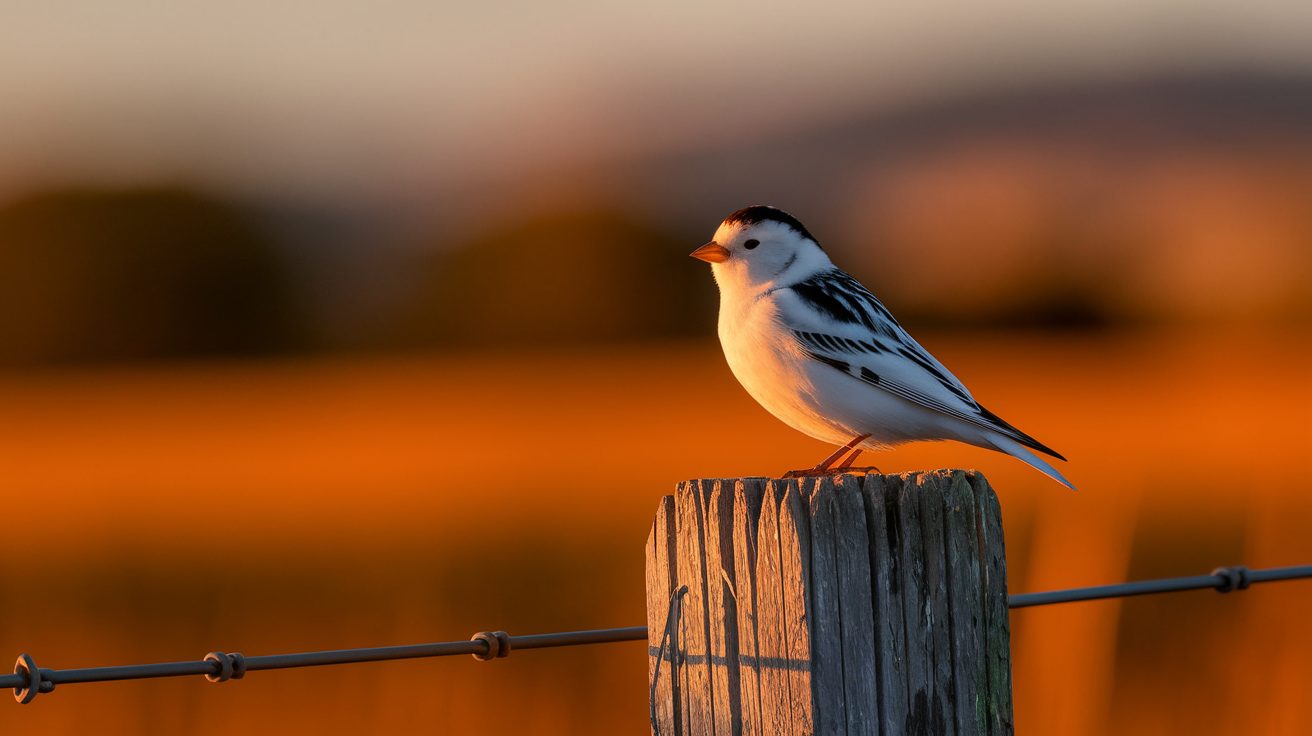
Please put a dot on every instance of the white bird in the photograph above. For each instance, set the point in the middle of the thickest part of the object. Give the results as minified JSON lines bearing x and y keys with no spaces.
{"x":821,"y":353}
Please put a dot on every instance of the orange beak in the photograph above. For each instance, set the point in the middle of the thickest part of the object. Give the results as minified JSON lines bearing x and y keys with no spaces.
{"x":712,"y":252}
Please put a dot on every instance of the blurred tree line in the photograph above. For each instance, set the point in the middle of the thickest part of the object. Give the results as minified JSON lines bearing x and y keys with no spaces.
{"x":170,"y":273}
{"x":155,"y":273}
{"x":566,"y":277}
{"x":1175,"y":202}
{"x":140,"y":274}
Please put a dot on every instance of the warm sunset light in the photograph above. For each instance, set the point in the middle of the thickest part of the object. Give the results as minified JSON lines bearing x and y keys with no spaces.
{"x":363,"y":327}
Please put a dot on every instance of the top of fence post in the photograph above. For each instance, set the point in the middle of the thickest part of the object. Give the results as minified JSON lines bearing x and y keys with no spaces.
{"x":837,"y":604}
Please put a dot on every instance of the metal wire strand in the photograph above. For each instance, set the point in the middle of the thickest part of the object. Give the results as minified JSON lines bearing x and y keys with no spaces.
{"x":29,"y":680}
{"x":1222,"y":579}
{"x":671,"y":632}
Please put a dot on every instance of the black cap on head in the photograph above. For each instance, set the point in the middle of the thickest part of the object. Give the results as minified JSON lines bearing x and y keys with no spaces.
{"x":763,"y":213}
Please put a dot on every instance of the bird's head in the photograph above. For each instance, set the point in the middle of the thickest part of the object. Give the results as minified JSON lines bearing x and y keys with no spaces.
{"x":758,"y":246}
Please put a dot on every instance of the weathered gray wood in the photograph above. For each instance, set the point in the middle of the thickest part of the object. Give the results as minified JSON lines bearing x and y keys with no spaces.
{"x":722,"y":609}
{"x":997,"y":625}
{"x":930,"y":487}
{"x":795,"y":567}
{"x":698,"y":708}
{"x":855,"y":609}
{"x":915,"y":608}
{"x":890,"y":632}
{"x":855,"y":604}
{"x":746,"y":517}
{"x":969,"y":668}
{"x":661,"y":575}
{"x":771,"y":630}
{"x":826,"y":626}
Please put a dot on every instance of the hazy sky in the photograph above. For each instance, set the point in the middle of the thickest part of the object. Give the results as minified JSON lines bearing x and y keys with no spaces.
{"x":333,"y":99}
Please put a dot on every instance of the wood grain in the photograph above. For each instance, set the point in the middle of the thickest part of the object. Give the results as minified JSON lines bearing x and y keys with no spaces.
{"x":969,"y":668}
{"x":746,"y":517}
{"x":695,"y":681}
{"x":997,"y":621}
{"x":722,"y":607}
{"x":795,"y":567}
{"x":772,"y":637}
{"x":825,"y":624}
{"x":886,"y":572}
{"x":832,"y":605}
{"x":855,"y":605}
{"x":661,"y":575}
{"x":930,"y":487}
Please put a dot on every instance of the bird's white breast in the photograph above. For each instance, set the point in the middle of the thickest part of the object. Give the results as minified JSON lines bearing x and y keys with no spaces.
{"x":808,"y":395}
{"x":767,"y":361}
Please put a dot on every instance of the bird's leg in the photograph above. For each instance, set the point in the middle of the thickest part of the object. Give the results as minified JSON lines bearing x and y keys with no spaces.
{"x":823,"y":467}
{"x":827,"y":462}
{"x":847,"y":463}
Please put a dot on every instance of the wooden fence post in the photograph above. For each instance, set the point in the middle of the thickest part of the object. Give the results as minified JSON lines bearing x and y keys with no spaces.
{"x":835,"y":605}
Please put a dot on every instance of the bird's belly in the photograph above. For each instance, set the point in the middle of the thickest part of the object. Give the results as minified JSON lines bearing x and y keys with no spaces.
{"x":817,"y":399}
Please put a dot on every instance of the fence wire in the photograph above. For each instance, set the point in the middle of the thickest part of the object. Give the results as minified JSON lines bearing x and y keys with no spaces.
{"x":29,"y":680}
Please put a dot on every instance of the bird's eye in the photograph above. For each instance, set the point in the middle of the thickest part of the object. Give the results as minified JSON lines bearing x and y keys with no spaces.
{"x":751,"y":243}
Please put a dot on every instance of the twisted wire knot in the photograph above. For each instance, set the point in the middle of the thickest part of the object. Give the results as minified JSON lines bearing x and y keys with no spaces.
{"x":498,"y":645}
{"x":231,"y":666}
{"x":35,"y":681}
{"x":1232,"y":578}
{"x":669,"y":637}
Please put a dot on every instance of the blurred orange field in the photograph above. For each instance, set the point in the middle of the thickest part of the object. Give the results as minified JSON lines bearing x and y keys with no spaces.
{"x":157,"y":513}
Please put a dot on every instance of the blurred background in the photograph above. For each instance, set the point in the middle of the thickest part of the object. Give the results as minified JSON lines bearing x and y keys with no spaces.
{"x":353,"y":325}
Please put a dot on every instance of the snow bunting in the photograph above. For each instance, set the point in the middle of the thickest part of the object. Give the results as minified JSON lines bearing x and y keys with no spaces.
{"x":822,"y":354}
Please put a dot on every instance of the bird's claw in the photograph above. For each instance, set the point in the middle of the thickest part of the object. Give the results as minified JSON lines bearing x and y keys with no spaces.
{"x":829,"y":472}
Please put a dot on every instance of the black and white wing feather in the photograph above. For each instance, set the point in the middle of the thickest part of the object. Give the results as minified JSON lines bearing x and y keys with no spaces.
{"x":837,"y":321}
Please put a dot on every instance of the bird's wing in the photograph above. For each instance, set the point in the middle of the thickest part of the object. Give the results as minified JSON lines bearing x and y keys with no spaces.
{"x":837,"y":321}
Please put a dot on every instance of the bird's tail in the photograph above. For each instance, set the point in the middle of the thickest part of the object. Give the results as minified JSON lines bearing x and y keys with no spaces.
{"x":1015,"y":449}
